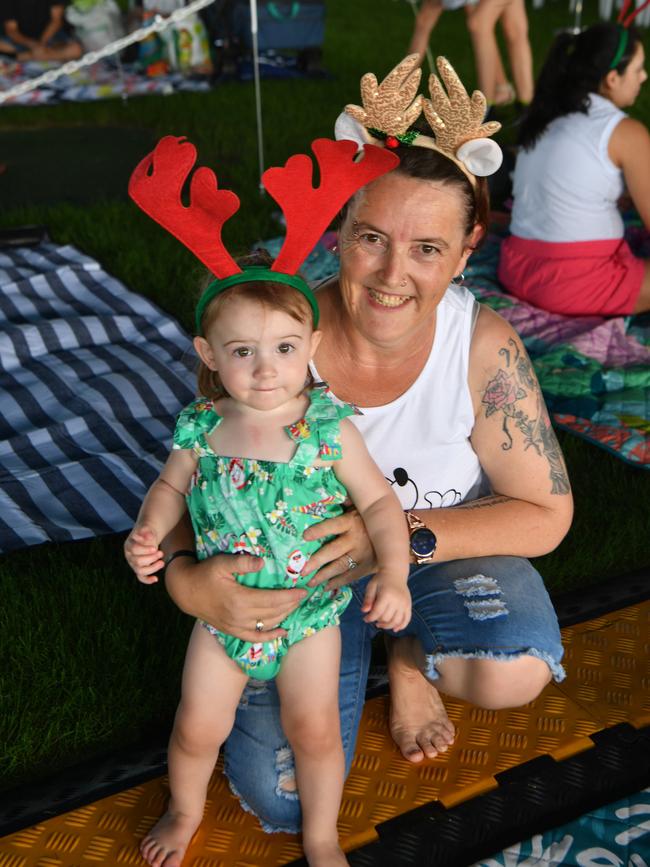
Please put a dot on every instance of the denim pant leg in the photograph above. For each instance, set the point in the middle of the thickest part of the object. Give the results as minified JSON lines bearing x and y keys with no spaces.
{"x":484,"y":607}
{"x":257,"y":758}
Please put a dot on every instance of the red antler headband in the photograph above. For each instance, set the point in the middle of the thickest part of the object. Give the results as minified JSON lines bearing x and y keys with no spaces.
{"x":157,"y":181}
{"x":624,"y":20}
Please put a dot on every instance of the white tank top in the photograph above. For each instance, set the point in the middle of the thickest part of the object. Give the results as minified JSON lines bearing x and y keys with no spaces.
{"x":566,"y":187}
{"x":420,"y":441}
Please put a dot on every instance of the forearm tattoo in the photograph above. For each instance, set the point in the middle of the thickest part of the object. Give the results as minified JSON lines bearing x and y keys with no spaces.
{"x":504,"y":391}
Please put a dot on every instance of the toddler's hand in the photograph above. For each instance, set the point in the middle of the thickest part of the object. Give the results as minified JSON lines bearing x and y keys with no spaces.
{"x":143,"y":554}
{"x":387,"y":603}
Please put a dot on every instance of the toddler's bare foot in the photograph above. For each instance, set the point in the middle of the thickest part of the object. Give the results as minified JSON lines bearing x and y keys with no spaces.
{"x":165,"y":844}
{"x":325,"y":855}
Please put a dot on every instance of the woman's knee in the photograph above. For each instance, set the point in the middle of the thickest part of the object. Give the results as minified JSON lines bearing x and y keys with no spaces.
{"x":266,"y":786}
{"x":495,"y":684}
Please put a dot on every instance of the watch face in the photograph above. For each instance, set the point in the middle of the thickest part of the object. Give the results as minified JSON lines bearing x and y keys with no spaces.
{"x":423,"y":542}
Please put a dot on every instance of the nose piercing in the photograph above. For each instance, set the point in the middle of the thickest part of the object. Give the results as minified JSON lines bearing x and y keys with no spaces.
{"x":402,"y":284}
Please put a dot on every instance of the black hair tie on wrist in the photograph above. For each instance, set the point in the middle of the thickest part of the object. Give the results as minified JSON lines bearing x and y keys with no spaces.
{"x":185,"y":552}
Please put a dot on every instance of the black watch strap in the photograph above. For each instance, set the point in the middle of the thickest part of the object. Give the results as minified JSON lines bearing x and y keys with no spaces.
{"x":183,"y":552}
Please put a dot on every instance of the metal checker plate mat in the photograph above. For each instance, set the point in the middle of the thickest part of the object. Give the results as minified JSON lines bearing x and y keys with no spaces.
{"x":607,"y":684}
{"x":607,"y":661}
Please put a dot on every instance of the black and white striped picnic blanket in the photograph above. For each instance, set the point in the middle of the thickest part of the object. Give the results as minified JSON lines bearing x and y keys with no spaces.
{"x":91,"y":379}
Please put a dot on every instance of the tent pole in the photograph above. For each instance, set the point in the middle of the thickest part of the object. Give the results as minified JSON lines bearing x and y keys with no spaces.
{"x":258,"y":95}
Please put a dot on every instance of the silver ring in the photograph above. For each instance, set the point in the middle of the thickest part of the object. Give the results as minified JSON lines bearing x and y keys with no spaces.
{"x":259,"y":626}
{"x":352,"y":563}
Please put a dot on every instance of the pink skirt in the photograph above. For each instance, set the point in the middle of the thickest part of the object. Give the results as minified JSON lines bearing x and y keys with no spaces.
{"x":576,"y":278}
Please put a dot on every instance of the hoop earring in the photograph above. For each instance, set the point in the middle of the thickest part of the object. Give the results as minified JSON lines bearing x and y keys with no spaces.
{"x":459,"y":281}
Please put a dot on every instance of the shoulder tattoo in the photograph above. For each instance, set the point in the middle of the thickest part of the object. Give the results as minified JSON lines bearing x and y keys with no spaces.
{"x":513,"y":382}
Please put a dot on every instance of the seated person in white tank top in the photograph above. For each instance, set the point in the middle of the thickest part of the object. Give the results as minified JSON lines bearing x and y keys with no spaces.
{"x":578,"y":151}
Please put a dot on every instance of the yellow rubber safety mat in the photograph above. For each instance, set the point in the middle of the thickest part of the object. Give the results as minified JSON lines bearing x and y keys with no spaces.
{"x":607,"y":661}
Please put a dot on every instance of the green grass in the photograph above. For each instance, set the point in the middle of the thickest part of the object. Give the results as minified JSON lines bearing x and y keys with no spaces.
{"x":89,"y":659}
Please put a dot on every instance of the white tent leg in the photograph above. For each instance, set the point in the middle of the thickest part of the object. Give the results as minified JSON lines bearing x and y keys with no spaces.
{"x":258,"y":93}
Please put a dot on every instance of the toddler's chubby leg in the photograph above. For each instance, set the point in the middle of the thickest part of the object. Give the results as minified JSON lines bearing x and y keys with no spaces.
{"x":308,"y":684}
{"x":212,"y":687}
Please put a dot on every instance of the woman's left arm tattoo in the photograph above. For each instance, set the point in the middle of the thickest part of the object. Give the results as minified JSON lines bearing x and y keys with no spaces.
{"x":502,"y":394}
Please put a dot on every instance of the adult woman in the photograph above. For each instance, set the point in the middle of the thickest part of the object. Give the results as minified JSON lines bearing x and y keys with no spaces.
{"x":567,"y":253}
{"x":451,"y":410}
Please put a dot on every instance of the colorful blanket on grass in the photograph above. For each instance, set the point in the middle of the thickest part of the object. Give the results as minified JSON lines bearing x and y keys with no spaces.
{"x":107,"y":79}
{"x":594,"y":372}
{"x":103,"y":80}
{"x":91,"y":377}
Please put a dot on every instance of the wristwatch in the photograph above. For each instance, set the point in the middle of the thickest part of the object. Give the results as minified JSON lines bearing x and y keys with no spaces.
{"x":422,"y":540}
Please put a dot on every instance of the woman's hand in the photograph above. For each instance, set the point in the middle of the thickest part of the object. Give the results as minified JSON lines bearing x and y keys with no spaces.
{"x":143,"y":553}
{"x":350,"y":545}
{"x":208,"y":590}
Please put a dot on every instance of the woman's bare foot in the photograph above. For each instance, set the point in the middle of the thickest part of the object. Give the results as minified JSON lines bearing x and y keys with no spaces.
{"x":418,"y":720}
{"x":325,"y":855}
{"x":165,"y":844}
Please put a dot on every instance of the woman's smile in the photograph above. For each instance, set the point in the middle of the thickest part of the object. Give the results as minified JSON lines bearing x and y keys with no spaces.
{"x":385,"y":299}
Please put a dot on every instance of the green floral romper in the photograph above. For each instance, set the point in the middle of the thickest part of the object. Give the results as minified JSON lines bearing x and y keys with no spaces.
{"x":243,"y":505}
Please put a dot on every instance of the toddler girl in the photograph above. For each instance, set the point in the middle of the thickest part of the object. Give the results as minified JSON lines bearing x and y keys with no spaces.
{"x":263,"y":457}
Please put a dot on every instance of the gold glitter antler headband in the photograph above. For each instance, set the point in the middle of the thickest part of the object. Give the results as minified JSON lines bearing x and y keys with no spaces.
{"x":457,"y":122}
{"x":390,"y":108}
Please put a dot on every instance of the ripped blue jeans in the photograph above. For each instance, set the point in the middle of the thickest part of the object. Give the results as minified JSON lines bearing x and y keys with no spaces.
{"x":493,"y":607}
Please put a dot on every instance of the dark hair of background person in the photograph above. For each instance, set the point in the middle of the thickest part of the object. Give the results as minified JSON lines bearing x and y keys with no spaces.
{"x":575,"y":67}
{"x":429,"y":165}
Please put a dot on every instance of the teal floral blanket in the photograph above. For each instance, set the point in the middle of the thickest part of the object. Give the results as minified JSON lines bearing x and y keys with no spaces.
{"x":617,"y":835}
{"x":594,"y":372}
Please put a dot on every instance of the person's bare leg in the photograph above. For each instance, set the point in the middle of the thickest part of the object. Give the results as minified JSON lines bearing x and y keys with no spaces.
{"x":308,"y":686}
{"x":643,"y":300}
{"x":481,"y":25}
{"x":504,"y":92}
{"x":515,"y":30}
{"x":419,"y":723}
{"x":212,"y":687}
{"x":425,"y":20}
